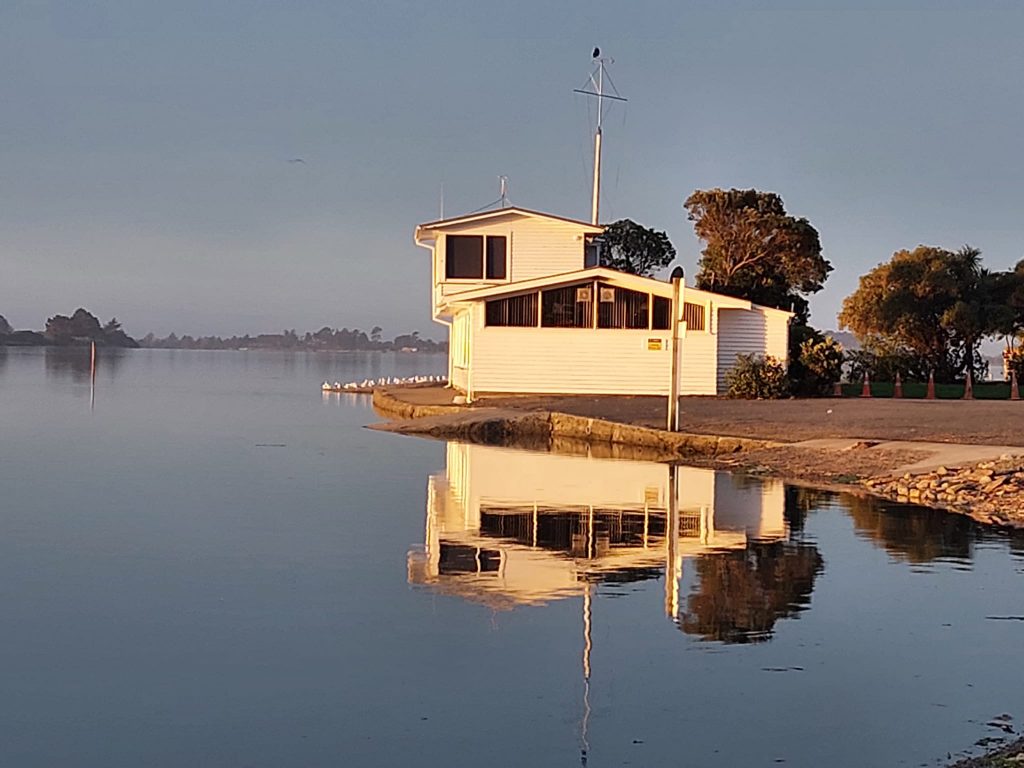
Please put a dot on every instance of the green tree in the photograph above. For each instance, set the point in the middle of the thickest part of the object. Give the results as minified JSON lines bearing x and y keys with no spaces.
{"x":754,"y":250}
{"x":1007,"y":290}
{"x":375,"y":333}
{"x":631,"y":247}
{"x":934,"y":303}
{"x":817,"y":366}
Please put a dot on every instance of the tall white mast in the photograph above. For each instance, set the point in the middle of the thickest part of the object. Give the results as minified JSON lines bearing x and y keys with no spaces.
{"x":595,"y":87}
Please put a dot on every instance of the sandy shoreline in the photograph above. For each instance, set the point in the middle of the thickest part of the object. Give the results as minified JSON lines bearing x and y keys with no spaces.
{"x":850,"y":445}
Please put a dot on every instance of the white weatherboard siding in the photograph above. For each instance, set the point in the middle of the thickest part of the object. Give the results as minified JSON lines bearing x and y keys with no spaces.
{"x":740,"y":332}
{"x":541,"y":248}
{"x":777,"y":335}
{"x":698,"y":351}
{"x":569,"y":360}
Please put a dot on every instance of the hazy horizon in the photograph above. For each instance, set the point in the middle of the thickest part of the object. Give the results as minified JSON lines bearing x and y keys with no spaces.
{"x":145,"y":164}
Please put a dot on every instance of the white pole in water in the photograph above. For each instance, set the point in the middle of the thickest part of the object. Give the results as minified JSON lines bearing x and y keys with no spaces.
{"x":92,"y":375}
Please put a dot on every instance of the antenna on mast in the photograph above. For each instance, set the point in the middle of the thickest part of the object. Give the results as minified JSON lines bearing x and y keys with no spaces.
{"x":503,"y":191}
{"x":595,"y":86}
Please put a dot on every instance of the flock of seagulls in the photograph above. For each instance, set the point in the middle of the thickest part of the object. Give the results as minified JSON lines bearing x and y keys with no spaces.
{"x":368,"y":384}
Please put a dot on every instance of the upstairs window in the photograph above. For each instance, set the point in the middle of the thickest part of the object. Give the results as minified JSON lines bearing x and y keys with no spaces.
{"x":495,"y":258}
{"x":464,"y":257}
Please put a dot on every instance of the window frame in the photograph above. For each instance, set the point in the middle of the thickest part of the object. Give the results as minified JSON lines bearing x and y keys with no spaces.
{"x":484,"y":237}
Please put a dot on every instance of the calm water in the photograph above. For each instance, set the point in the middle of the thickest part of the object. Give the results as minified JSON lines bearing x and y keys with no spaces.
{"x":214,"y":565}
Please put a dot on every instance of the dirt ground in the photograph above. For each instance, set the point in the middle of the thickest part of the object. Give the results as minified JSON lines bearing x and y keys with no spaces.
{"x":995,"y":422}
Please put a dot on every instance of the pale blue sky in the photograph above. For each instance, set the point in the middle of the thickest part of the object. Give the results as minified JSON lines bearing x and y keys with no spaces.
{"x":144,"y":146}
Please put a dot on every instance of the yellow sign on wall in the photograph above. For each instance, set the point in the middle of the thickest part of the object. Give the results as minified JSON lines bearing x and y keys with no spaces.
{"x":655,"y":345}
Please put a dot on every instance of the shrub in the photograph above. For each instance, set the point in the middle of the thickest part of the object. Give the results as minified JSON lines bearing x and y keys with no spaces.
{"x":757,"y":378}
{"x":821,"y":365}
{"x":884,"y":365}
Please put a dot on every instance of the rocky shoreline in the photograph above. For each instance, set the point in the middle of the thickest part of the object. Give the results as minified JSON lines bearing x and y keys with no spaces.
{"x":990,"y":492}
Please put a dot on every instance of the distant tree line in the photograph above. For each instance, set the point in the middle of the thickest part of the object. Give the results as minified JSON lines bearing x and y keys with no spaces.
{"x":325,"y":339}
{"x":81,"y":328}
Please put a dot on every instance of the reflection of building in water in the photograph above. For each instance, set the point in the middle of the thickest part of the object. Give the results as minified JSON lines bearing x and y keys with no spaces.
{"x":510,"y":527}
{"x":507,"y":528}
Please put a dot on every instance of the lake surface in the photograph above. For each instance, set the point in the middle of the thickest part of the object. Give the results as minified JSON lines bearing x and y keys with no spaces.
{"x":211,"y":564}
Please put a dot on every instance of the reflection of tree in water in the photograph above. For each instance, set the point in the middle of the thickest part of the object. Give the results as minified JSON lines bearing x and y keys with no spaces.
{"x":740,"y":595}
{"x":75,"y":361}
{"x":801,"y":501}
{"x":915,"y":534}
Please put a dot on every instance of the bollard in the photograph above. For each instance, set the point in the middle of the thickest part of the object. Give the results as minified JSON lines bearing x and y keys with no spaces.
{"x":837,"y":389}
{"x":865,"y":391}
{"x":968,"y":388}
{"x":1014,"y":391}
{"x":897,"y":387}
{"x":930,"y":394}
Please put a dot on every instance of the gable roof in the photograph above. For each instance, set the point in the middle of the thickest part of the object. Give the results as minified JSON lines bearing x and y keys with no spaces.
{"x":512,"y":210}
{"x":609,"y":275}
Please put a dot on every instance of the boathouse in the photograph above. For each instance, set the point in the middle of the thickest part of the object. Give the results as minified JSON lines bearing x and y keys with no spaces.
{"x":530,"y":311}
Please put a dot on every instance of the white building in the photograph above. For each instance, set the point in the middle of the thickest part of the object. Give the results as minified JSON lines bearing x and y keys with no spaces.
{"x":529,"y":311}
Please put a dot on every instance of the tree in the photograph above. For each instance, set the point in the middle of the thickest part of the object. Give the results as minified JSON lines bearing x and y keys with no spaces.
{"x":375,"y":333}
{"x":933,"y":303}
{"x":631,"y":247}
{"x":754,"y":250}
{"x":1008,"y":304}
{"x":740,"y":595}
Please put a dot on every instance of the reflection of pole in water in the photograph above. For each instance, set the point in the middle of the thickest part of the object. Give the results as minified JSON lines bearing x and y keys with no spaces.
{"x":673,"y":564}
{"x":587,"y":645}
{"x":92,"y":376}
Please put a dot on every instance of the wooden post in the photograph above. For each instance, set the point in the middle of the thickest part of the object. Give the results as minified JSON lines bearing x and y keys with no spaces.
{"x":1014,"y":391}
{"x":930,"y":394}
{"x":837,"y":389}
{"x":897,"y":387}
{"x":673,"y":388}
{"x":968,"y":387}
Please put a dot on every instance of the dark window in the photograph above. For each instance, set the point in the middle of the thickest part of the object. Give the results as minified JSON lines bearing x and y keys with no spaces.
{"x":520,"y":311}
{"x":693,"y":315}
{"x":621,"y":308}
{"x":495,"y":257}
{"x":591,"y":252}
{"x":570,"y":307}
{"x":464,"y":257}
{"x":661,"y":319}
